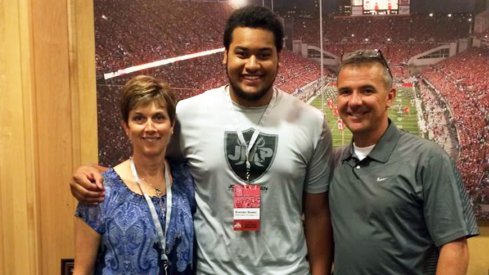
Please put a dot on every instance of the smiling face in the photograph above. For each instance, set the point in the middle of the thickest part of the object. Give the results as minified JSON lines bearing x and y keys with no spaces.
{"x":363,"y":101}
{"x":149,"y":129}
{"x":252,"y":63}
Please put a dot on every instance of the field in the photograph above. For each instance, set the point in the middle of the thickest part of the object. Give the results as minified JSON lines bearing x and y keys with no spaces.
{"x":403,"y":113}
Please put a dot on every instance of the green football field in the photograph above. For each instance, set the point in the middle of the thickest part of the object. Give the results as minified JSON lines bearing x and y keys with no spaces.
{"x":404,"y":120}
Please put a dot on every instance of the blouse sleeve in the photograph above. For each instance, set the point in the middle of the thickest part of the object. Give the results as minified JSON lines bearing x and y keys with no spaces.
{"x":92,"y":216}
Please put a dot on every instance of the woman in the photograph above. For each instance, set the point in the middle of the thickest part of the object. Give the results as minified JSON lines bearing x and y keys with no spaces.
{"x":144,"y":225}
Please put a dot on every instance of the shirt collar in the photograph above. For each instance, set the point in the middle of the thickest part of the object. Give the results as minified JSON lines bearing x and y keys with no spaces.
{"x":384,"y":147}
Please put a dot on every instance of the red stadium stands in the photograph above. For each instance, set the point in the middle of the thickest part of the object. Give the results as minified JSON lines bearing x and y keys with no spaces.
{"x":463,"y":81}
{"x":378,"y":29}
{"x":131,"y":32}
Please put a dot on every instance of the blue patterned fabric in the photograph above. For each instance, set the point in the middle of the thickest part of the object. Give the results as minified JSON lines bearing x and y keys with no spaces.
{"x":129,"y":243}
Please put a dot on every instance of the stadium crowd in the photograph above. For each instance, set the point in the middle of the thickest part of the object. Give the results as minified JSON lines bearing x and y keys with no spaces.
{"x":399,"y":37}
{"x":143,"y":31}
{"x":296,"y":71}
{"x":408,"y":28}
{"x":436,"y":116}
{"x":463,"y":81}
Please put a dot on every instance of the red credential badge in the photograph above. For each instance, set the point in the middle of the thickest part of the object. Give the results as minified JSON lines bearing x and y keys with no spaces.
{"x":247,"y":200}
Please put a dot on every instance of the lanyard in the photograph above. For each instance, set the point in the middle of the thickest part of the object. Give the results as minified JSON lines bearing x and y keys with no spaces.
{"x":249,"y":146}
{"x":156,"y":221}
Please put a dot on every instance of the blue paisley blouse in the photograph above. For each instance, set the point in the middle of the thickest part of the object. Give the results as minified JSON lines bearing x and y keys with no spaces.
{"x":129,"y":243}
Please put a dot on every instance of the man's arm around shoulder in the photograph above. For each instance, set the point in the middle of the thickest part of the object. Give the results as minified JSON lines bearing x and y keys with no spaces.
{"x":87,"y":184}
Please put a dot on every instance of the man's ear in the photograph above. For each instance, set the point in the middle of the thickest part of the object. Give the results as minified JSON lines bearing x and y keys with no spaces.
{"x":225,"y":58}
{"x":391,"y":96}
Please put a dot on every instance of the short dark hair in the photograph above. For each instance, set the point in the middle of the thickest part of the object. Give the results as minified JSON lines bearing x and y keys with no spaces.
{"x":254,"y":17}
{"x":143,"y":89}
{"x":362,"y":57}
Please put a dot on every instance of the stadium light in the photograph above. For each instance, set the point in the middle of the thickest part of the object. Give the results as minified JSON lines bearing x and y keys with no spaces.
{"x":449,"y":15}
{"x":236,"y":4}
{"x":431,"y":14}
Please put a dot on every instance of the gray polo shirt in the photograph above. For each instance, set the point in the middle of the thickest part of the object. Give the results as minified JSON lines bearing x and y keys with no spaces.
{"x":393,"y":210}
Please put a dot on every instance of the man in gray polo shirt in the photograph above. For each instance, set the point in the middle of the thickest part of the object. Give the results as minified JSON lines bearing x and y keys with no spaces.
{"x":397,"y":202}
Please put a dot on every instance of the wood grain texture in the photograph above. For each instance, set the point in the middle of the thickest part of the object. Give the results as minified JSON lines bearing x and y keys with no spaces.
{"x":47,"y":127}
{"x":19,"y":230}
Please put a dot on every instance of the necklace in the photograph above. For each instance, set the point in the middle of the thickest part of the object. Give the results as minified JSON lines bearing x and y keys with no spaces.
{"x":158,"y":192}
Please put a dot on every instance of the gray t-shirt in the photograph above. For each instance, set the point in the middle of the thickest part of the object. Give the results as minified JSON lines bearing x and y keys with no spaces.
{"x":393,"y":210}
{"x":291,"y":157}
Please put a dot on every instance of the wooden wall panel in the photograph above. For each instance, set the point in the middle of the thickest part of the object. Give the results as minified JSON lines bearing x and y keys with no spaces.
{"x":82,"y":74}
{"x":66,"y":115}
{"x":54,"y":131}
{"x":478,"y":250}
{"x":19,"y":234}
{"x":47,"y":127}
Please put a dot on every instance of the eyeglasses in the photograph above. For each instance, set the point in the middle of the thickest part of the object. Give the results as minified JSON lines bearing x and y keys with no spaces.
{"x":367,"y":55}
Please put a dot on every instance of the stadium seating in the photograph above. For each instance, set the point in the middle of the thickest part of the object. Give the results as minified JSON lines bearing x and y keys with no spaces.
{"x":131,"y":32}
{"x":463,"y":81}
{"x":378,"y":29}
